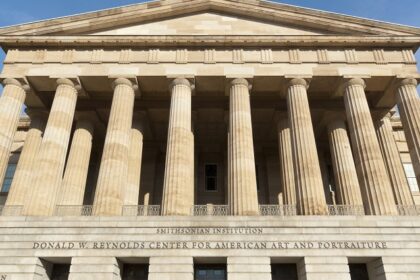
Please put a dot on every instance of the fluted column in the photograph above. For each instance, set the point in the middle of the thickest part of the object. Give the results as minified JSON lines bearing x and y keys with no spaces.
{"x":52,"y":154}
{"x":22,"y":183}
{"x":11,"y":102}
{"x":243,"y":197}
{"x":374,"y":182}
{"x":73,"y":186}
{"x":409,"y":107}
{"x":287,"y":175}
{"x":345,"y":175}
{"x":393,"y":163}
{"x":310,"y":195}
{"x":113,"y":172}
{"x":178,"y":188}
{"x":132,"y":191}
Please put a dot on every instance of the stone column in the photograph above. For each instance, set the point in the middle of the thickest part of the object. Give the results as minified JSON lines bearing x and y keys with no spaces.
{"x":11,"y":102}
{"x":287,"y":175}
{"x":374,"y":182}
{"x":132,"y":191}
{"x":345,"y":175}
{"x":244,"y":267}
{"x":310,"y":195}
{"x":393,"y":163}
{"x":243,"y":197}
{"x":73,"y":187}
{"x":178,"y":189}
{"x":112,"y":178}
{"x":22,"y":180}
{"x":52,"y":154}
{"x":409,"y":107}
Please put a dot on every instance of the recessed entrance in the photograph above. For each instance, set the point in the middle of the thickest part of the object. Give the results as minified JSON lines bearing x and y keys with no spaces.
{"x":358,"y":271}
{"x":135,"y":272}
{"x":210,"y":272}
{"x":284,"y":271}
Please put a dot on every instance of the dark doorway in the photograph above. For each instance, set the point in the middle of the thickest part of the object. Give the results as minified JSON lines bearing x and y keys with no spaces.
{"x":358,"y":271}
{"x":135,"y":272}
{"x":210,"y":272}
{"x":284,"y":271}
{"x":60,"y":271}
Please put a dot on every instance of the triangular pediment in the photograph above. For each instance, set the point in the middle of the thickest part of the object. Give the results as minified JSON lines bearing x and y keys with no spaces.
{"x":211,"y":23}
{"x":210,"y":17}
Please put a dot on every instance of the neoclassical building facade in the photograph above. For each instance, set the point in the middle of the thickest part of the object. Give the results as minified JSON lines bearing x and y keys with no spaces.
{"x":218,"y":139}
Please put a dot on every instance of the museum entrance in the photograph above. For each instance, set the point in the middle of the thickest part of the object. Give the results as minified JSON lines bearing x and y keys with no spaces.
{"x":135,"y":272}
{"x":284,"y":271}
{"x":210,"y":272}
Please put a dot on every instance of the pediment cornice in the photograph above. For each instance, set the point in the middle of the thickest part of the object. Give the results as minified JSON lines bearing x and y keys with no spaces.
{"x":331,"y":23}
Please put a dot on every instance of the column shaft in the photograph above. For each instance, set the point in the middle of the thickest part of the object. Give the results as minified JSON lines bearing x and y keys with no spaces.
{"x":75,"y":176}
{"x":113,"y":172}
{"x":24,"y":174}
{"x":287,"y":175}
{"x":52,"y":154}
{"x":178,"y":187}
{"x":409,"y":107}
{"x":11,"y":102}
{"x":243,"y":198}
{"x":132,"y":191}
{"x":374,"y":182}
{"x":310,"y":195}
{"x":345,"y":175}
{"x":393,"y":163}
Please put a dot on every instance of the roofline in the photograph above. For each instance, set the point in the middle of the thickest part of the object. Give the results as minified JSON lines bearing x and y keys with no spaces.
{"x":96,"y":18}
{"x":104,"y":41}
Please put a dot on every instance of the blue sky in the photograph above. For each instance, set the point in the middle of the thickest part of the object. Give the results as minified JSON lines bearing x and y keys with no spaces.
{"x":21,"y":11}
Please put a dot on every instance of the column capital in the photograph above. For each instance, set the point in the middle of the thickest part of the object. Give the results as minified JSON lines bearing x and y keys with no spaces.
{"x":122,"y":81}
{"x":408,"y":82}
{"x":298,"y":82}
{"x":65,"y":81}
{"x":238,"y":81}
{"x":22,"y":83}
{"x":355,"y":82}
{"x":180,"y":81}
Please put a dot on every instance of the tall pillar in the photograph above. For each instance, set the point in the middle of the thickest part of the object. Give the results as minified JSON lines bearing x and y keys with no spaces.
{"x":393,"y":163}
{"x":345,"y":175}
{"x":287,"y":175}
{"x":375,"y":186}
{"x":23,"y":178}
{"x":132,"y":191}
{"x":113,"y":172}
{"x":52,"y":154}
{"x":178,"y":188}
{"x":310,"y":195}
{"x":73,"y":186}
{"x":11,"y":102}
{"x":409,"y":107}
{"x":243,"y":197}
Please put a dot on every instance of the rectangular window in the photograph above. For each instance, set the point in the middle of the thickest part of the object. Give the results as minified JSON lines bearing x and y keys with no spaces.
{"x":211,"y":177}
{"x":10,"y":172}
{"x":60,"y":272}
{"x":210,"y":272}
{"x":411,"y":177}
